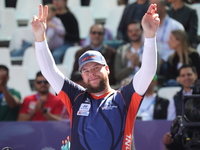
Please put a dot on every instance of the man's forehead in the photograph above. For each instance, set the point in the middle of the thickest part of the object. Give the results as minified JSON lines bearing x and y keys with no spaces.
{"x":97,"y":27}
{"x":40,"y":77}
{"x":186,"y":71}
{"x":3,"y":71}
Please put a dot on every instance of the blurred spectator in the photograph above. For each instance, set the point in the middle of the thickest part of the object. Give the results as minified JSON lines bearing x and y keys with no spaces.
{"x":97,"y":32}
{"x":41,"y":106}
{"x":183,"y":54}
{"x":129,"y":56}
{"x":167,"y":24}
{"x":187,"y":77}
{"x":131,"y":12}
{"x":187,"y":16}
{"x":107,"y":37}
{"x":152,"y":106}
{"x":71,"y":28}
{"x":9,"y":98}
{"x":55,"y":31}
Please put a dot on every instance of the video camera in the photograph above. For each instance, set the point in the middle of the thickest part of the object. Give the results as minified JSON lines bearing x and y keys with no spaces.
{"x":188,"y":124}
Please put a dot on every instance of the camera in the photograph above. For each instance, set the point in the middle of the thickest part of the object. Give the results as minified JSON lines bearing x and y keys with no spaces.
{"x":187,"y":126}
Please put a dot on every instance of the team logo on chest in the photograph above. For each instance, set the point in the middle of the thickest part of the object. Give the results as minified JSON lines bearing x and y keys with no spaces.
{"x":108,"y":105}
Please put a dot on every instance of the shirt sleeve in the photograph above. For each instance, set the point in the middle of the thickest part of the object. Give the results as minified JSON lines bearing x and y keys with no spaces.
{"x":145,"y":74}
{"x":171,"y":111}
{"x":48,"y":67}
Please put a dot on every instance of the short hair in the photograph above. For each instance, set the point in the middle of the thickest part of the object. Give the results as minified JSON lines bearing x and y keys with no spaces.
{"x":4,"y":68}
{"x":51,"y":6}
{"x":39,"y":73}
{"x":98,"y":24}
{"x":134,"y":22}
{"x":187,"y":66}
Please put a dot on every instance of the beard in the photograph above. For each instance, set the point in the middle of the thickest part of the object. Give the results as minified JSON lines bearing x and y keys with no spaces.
{"x":102,"y":85}
{"x":43,"y":91}
{"x":136,"y":39}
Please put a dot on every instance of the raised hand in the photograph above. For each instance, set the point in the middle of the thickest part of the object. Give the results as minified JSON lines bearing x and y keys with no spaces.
{"x":39,"y":24}
{"x":150,"y":21}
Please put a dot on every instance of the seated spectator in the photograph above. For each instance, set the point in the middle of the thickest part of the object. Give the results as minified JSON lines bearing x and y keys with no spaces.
{"x":41,"y":106}
{"x":129,"y":56}
{"x":134,"y":11}
{"x":96,"y":37}
{"x":71,"y":28}
{"x":183,"y":54}
{"x":187,"y":77}
{"x":107,"y":37}
{"x":152,"y":106}
{"x":167,"y":25}
{"x":9,"y":98}
{"x":55,"y":31}
{"x":187,"y":16}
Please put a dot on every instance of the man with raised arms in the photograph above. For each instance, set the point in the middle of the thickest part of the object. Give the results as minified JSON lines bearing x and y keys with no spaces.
{"x":100,"y":117}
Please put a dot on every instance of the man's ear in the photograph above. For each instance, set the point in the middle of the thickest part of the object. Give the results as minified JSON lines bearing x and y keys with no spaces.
{"x":107,"y":69}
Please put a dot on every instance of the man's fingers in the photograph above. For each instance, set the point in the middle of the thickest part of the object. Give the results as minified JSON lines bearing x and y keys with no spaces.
{"x":45,"y":13}
{"x":152,"y":9}
{"x":40,"y":14}
{"x":34,"y":20}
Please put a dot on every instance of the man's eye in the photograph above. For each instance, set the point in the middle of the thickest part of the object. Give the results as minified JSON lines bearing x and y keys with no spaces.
{"x":96,"y":68}
{"x":85,"y":71}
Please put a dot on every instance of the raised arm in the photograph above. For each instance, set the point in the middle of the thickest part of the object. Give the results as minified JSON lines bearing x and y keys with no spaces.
{"x":144,"y":76}
{"x":43,"y":54}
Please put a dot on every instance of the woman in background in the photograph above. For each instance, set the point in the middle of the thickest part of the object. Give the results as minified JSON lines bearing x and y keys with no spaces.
{"x":183,"y":54}
{"x":71,"y":28}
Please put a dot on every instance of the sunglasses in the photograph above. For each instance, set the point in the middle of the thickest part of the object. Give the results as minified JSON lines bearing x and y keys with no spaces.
{"x":95,"y":32}
{"x":40,"y":82}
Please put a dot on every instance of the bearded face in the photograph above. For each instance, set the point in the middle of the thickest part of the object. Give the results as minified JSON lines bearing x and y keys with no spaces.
{"x":100,"y":87}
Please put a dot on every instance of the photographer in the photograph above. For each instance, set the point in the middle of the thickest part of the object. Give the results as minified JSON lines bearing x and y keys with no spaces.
{"x":187,"y":77}
{"x":175,"y":139}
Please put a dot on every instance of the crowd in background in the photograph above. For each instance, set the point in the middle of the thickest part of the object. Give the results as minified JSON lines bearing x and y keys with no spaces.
{"x":178,"y":59}
{"x":177,"y":40}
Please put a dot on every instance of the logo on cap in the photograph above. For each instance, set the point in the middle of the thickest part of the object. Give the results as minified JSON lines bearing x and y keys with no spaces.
{"x":88,"y":57}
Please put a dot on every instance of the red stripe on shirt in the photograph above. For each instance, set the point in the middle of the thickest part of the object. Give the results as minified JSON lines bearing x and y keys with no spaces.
{"x":130,"y":119}
{"x":66,"y":100}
